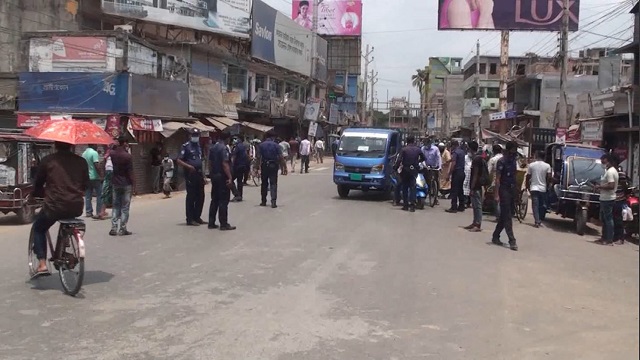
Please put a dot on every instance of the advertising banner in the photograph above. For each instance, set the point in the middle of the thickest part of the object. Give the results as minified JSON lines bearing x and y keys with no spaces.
{"x":156,"y":97}
{"x":506,"y":15}
{"x":205,"y":96}
{"x":263,"y":100}
{"x":279,"y":40}
{"x":321,"y":54}
{"x":113,"y":126}
{"x":335,"y":17}
{"x":229,"y":17}
{"x":73,"y":54}
{"x":142,"y":124}
{"x":74,"y":92}
{"x":312,"y":109}
{"x":230,"y":99}
{"x":334,"y":114}
{"x":313,"y":128}
{"x":591,"y":130}
{"x":31,"y":120}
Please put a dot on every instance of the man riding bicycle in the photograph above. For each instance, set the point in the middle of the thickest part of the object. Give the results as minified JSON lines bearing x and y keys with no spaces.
{"x":66,"y":176}
{"x":433,"y":162}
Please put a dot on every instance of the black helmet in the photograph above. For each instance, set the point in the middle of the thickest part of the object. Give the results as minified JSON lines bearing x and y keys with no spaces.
{"x":194,"y":131}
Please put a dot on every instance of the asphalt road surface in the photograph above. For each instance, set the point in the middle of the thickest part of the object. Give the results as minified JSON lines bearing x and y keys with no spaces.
{"x":322,"y":278}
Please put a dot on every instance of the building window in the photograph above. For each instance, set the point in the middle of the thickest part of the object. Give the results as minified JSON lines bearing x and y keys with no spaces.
{"x":521,"y":69}
{"x":275,"y":85}
{"x":483,"y":68}
{"x":261,"y":82}
{"x":236,"y":79}
{"x":493,"y":93}
{"x":493,"y":69}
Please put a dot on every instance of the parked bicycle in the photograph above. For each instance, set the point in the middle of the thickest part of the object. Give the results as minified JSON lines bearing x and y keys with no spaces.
{"x":67,"y":256}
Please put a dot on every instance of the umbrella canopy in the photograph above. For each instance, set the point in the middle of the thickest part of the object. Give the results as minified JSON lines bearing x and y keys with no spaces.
{"x":72,"y":132}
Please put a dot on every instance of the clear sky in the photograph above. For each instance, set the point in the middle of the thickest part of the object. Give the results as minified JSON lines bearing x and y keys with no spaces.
{"x":404,"y":34}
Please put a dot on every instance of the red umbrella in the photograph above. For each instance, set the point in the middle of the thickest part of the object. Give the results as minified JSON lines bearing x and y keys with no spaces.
{"x":72,"y":132}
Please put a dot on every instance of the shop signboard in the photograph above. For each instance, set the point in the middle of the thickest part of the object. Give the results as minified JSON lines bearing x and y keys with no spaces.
{"x":143,"y":124}
{"x":512,"y":15}
{"x":334,"y":114}
{"x":313,"y":128}
{"x":31,"y":120}
{"x":321,"y":72}
{"x":205,"y":96}
{"x":561,"y":135}
{"x":312,"y":109}
{"x":230,"y":99}
{"x":278,"y":40}
{"x":67,"y":92}
{"x":263,"y":100}
{"x":229,"y":17}
{"x":157,"y":97}
{"x":335,"y":17}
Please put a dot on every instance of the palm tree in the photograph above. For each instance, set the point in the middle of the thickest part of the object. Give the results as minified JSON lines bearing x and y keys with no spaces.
{"x":420,"y":80}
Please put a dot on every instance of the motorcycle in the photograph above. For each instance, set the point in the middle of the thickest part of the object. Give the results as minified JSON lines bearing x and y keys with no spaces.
{"x":631,"y":219}
{"x":422,"y":188}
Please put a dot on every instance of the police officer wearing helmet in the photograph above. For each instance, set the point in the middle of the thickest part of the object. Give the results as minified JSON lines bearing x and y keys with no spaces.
{"x":191,"y":160}
{"x":221,"y":183}
{"x":270,"y":161}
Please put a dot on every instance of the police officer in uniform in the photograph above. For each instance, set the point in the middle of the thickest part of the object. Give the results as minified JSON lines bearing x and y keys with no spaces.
{"x":221,"y":183}
{"x":270,"y":161}
{"x":410,"y":158}
{"x":191,"y":160}
{"x":504,"y":194}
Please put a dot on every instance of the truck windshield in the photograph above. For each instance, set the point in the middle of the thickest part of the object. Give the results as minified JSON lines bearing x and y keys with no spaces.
{"x":363,"y":145}
{"x":583,"y":171}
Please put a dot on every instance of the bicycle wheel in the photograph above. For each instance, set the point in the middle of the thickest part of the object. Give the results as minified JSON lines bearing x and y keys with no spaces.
{"x":255,"y":177}
{"x":524,"y":204}
{"x":32,"y":259}
{"x":433,"y":194}
{"x":71,"y":265}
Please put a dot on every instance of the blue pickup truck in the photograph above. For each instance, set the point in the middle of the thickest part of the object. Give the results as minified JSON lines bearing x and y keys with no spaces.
{"x":365,"y":159}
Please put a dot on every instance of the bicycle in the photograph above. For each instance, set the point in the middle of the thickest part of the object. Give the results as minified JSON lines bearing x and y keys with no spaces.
{"x":254,"y":173}
{"x":67,"y":257}
{"x":433,"y":185}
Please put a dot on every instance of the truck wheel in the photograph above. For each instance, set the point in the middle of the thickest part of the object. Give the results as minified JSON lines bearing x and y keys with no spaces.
{"x":343,"y":191}
{"x":581,"y":221}
{"x":25,"y":214}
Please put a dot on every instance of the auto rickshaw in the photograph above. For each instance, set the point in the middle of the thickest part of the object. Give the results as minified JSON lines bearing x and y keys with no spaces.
{"x":576,"y":168}
{"x":20,"y":156}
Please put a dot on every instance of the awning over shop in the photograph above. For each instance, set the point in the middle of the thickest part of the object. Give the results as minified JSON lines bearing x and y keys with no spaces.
{"x":486,"y":134}
{"x":171,"y":127}
{"x":259,"y":127}
{"x":221,"y":123}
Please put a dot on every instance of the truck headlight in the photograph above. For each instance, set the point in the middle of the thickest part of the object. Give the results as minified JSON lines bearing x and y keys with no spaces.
{"x":378,"y":169}
{"x":338,"y":167}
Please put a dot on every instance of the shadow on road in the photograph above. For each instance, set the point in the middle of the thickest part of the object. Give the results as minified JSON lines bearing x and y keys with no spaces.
{"x":567,"y":226}
{"x":53,"y":282}
{"x":356,"y":195}
{"x":9,"y":220}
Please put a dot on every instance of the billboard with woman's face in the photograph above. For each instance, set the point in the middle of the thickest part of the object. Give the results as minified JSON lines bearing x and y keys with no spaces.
{"x":335,"y":17}
{"x":543,"y":15}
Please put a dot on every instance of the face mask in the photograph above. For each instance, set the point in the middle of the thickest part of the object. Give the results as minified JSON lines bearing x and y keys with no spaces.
{"x":195,"y":139}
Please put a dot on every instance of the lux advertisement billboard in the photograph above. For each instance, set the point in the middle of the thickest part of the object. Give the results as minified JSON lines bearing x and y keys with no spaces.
{"x":279,"y":40}
{"x":229,"y":17}
{"x":335,"y":17}
{"x":543,"y":15}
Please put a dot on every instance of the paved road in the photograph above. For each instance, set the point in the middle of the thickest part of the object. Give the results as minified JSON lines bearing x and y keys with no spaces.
{"x":324,"y":278}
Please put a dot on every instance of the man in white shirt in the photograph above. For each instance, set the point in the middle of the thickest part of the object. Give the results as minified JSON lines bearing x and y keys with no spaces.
{"x":319,"y":151}
{"x":305,"y":151}
{"x":538,"y":178}
{"x":285,"y":147}
{"x":608,"y":187}
{"x":491,"y":166}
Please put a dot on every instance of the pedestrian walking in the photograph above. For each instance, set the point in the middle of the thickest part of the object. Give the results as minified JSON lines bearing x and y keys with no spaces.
{"x":492,"y":166}
{"x":294,"y":152}
{"x":270,"y":161}
{"x":410,"y":158}
{"x":319,"y":147}
{"x":107,"y":187}
{"x":538,"y":179}
{"x":444,"y":184}
{"x":167,"y":174}
{"x":92,"y":158}
{"x":123,"y":184}
{"x":335,"y":144}
{"x":478,"y":178}
{"x":456,"y":175}
{"x":504,"y":194}
{"x":156,"y":167}
{"x":221,"y":183}
{"x":239,"y":167}
{"x":305,"y":151}
{"x":607,"y":187}
{"x":191,"y":160}
{"x":285,"y":147}
{"x":621,"y":200}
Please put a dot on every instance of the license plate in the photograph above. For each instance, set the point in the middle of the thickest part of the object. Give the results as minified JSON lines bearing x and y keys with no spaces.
{"x":355,"y":177}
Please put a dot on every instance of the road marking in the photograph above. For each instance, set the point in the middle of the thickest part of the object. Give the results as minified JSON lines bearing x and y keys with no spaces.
{"x":319,"y":169}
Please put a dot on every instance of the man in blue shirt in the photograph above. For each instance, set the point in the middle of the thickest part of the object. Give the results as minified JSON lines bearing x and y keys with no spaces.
{"x":410,"y":158}
{"x":240,"y":164}
{"x":433,"y":160}
{"x":191,"y":160}
{"x":504,"y":193}
{"x":456,"y":174}
{"x":270,"y":160}
{"x":221,"y":183}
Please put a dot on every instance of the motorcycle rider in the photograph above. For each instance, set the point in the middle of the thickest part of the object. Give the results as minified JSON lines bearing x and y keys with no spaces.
{"x":410,"y":158}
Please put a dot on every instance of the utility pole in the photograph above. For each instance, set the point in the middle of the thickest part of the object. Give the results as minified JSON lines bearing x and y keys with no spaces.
{"x":504,"y":68}
{"x":374,"y":80}
{"x":366,"y":85}
{"x":314,"y":58}
{"x":477,"y":83}
{"x":564,"y":54}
